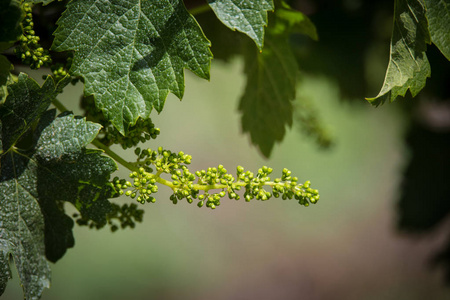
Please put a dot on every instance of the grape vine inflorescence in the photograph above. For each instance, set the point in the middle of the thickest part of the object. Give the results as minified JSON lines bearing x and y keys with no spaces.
{"x":29,"y":50}
{"x":142,"y":131}
{"x":151,"y":164}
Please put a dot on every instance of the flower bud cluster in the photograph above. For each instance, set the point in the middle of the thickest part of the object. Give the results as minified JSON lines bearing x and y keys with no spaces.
{"x":198,"y":186}
{"x":29,"y":50}
{"x":142,"y":131}
{"x":58,"y":71}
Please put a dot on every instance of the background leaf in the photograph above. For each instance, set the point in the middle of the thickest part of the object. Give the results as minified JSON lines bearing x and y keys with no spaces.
{"x":266,"y":104}
{"x":249,"y":17}
{"x":11,"y":16}
{"x":132,"y":54}
{"x":438,"y":12}
{"x":408,"y":64}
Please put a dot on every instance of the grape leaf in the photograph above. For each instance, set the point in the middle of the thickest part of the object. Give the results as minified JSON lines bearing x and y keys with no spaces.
{"x":11,"y":16}
{"x":131,"y":54}
{"x":25,"y":105}
{"x":246,"y":16}
{"x":438,"y":12}
{"x":408,"y":64}
{"x":22,"y":226}
{"x":35,"y":181}
{"x":266,"y":104}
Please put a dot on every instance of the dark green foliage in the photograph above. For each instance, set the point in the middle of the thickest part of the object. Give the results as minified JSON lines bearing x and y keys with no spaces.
{"x":35,"y":180}
{"x":139,"y":51}
{"x":10,"y":19}
{"x":266,"y":104}
{"x":26,"y":103}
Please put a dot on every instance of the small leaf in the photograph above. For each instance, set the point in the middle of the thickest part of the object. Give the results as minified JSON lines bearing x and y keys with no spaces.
{"x":408,"y":65}
{"x":11,"y":16}
{"x":247,"y":16}
{"x":24,"y":105}
{"x":438,"y":12}
{"x":65,"y":135}
{"x":131,"y":54}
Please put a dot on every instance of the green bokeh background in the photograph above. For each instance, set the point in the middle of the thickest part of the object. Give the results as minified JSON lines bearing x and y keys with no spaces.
{"x":345,"y":247}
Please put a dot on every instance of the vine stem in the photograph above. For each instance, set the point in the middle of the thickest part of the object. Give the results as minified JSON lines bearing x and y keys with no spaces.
{"x":59,"y":105}
{"x":199,"y":9}
{"x":114,"y":155}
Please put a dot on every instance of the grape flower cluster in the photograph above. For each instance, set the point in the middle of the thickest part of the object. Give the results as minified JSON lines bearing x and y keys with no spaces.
{"x":29,"y":50}
{"x":209,"y":186}
{"x":142,"y":131}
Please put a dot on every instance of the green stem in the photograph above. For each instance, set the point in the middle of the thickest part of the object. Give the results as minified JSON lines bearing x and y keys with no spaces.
{"x":165,"y":182}
{"x":114,"y":155}
{"x":59,"y":105}
{"x":202,"y":187}
{"x":199,"y":9}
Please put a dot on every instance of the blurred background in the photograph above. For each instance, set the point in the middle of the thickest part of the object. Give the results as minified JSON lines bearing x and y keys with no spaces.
{"x":363,"y":240}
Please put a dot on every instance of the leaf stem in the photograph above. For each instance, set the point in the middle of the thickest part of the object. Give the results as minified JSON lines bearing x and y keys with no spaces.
{"x":59,"y":105}
{"x":114,"y":155}
{"x":199,"y":9}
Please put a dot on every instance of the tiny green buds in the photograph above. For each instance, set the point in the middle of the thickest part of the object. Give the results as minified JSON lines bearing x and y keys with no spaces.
{"x":152,"y":164}
{"x":29,"y":50}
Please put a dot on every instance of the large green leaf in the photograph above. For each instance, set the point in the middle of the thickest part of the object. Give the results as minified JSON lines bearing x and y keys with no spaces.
{"x":438,"y":14}
{"x":11,"y":16}
{"x":266,"y":104}
{"x":408,"y":64}
{"x":247,"y":16}
{"x":131,"y":54}
{"x":55,"y":167}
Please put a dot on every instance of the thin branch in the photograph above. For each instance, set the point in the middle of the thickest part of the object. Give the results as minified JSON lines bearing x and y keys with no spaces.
{"x":199,"y":9}
{"x":114,"y":155}
{"x":59,"y":105}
